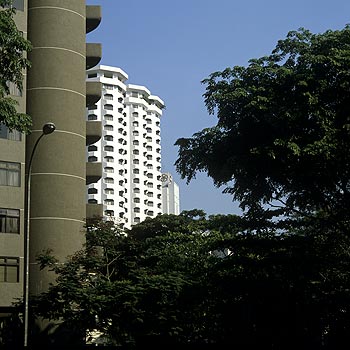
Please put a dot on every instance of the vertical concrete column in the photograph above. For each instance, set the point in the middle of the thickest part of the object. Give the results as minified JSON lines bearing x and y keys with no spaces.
{"x":56,"y":92}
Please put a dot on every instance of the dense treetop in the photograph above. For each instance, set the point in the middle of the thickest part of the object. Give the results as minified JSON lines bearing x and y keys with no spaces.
{"x":283,"y":130}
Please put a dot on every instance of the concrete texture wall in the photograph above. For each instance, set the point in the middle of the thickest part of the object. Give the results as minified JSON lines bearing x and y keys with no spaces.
{"x":56,"y":92}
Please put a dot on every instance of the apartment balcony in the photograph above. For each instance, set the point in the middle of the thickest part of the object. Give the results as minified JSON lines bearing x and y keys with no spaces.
{"x":94,"y":210}
{"x":93,"y":131}
{"x":93,"y":17}
{"x":93,"y":172}
{"x":93,"y":54}
{"x":93,"y":92}
{"x":155,"y":108}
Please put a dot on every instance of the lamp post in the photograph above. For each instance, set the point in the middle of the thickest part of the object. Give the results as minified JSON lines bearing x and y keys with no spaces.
{"x":48,"y":128}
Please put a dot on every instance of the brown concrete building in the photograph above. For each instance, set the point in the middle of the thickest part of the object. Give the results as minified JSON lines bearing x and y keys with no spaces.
{"x":54,"y":91}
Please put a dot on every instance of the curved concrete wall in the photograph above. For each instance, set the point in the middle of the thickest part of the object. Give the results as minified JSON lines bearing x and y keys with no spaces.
{"x":56,"y":92}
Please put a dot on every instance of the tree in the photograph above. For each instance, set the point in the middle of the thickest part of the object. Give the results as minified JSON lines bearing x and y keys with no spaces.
{"x":13,"y":62}
{"x":199,"y":281}
{"x":136,"y":287}
{"x":283,"y":132}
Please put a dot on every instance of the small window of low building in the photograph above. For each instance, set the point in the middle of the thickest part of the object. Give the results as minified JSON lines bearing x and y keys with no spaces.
{"x":9,"y":269}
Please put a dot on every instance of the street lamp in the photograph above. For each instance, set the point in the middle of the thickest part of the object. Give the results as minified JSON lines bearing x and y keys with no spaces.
{"x":48,"y":128}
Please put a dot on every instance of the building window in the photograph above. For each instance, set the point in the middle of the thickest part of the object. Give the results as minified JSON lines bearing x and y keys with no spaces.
{"x":135,"y":142}
{"x":92,"y":75}
{"x":109,"y":148}
{"x":9,"y":220}
{"x":109,"y":159}
{"x":137,"y":220}
{"x":108,"y":75}
{"x":108,"y":117}
{"x":108,"y":127}
{"x":13,"y":135}
{"x":92,"y":117}
{"x":109,"y":191}
{"x":92,"y":148}
{"x":108,"y":107}
{"x":109,"y":169}
{"x":92,"y":201}
{"x":92,"y":159}
{"x":136,"y":210}
{"x":92,"y":191}
{"x":18,"y":5}
{"x":108,"y":138}
{"x":136,"y":151}
{"x":108,"y":86}
{"x":10,"y":174}
{"x":109,"y":212}
{"x":108,"y":96}
{"x":9,"y":269}
{"x":136,"y":181}
{"x":109,"y":180}
{"x":109,"y":201}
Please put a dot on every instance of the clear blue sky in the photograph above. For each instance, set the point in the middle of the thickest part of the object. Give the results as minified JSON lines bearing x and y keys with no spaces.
{"x":171,"y":46}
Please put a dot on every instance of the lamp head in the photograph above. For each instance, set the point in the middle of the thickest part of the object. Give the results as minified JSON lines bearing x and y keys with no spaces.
{"x":48,"y":128}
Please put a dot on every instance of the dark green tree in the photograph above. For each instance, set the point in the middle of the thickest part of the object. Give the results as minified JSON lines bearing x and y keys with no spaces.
{"x":193,"y":280}
{"x":13,"y":63}
{"x":138,"y":287}
{"x":283,"y":132}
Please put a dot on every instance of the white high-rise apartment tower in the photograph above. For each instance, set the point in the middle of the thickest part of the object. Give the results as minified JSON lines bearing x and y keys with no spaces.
{"x":130,"y":188}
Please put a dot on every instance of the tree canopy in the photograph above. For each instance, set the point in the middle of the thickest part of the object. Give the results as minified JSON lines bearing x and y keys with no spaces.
{"x":193,"y":280}
{"x":13,"y":62}
{"x":283,"y":130}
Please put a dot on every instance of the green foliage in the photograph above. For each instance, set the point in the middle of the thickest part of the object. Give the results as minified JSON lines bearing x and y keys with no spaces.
{"x":13,"y":62}
{"x":205,"y":281}
{"x":131,"y":286}
{"x":283,"y":130}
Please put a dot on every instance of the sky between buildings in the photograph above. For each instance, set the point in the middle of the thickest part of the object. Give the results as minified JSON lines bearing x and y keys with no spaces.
{"x":171,"y":46}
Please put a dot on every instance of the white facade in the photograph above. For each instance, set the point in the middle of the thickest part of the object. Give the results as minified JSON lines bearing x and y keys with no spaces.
{"x":130,"y":151}
{"x":170,"y":195}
